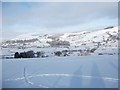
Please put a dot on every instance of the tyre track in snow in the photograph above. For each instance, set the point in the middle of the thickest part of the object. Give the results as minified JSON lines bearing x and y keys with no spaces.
{"x":64,"y":75}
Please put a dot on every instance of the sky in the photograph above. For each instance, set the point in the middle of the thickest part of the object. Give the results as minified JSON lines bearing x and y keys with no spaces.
{"x":56,"y":17}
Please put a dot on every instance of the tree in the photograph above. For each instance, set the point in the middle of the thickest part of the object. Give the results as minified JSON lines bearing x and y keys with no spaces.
{"x":16,"y":55}
{"x":30,"y":54}
{"x":40,"y":54}
{"x":93,"y":50}
{"x":98,"y":44}
{"x":23,"y":55}
{"x":58,"y":53}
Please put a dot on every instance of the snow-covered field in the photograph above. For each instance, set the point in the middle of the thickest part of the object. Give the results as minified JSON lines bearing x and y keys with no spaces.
{"x":61,"y":72}
{"x":77,"y":67}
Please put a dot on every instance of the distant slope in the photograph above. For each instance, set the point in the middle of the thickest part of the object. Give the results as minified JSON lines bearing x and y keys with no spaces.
{"x":104,"y":37}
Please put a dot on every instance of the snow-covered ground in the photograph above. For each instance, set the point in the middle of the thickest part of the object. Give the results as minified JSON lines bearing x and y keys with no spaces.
{"x":79,"y":69}
{"x":56,"y":72}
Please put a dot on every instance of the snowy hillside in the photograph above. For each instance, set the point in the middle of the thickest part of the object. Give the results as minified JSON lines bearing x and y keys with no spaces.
{"x":90,"y":37}
{"x":101,"y":42}
{"x":109,"y":35}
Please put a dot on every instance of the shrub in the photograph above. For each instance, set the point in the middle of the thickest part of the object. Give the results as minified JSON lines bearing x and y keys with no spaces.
{"x":100,"y":54}
{"x":40,"y":54}
{"x":58,"y":53}
{"x":93,"y":50}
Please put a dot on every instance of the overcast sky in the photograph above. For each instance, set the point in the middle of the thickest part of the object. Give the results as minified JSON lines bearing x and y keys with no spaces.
{"x":59,"y":17}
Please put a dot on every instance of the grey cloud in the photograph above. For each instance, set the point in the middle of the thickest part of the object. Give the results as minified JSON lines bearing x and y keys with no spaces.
{"x":53,"y":17}
{"x":64,"y":14}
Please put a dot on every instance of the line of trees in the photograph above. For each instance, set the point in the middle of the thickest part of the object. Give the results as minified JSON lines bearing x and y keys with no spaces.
{"x":29,"y":54}
{"x":59,"y":43}
{"x":32,"y":54}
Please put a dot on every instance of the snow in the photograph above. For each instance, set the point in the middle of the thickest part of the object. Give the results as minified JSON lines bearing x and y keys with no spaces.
{"x":88,"y":37}
{"x":61,"y":72}
{"x":26,"y":36}
{"x":75,"y":38}
{"x":95,"y":70}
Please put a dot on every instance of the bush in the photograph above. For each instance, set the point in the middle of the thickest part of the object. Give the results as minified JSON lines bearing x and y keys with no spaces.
{"x":66,"y":54}
{"x":100,"y":54}
{"x":40,"y":54}
{"x":93,"y":50}
{"x":110,"y":54}
{"x":58,"y":53}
